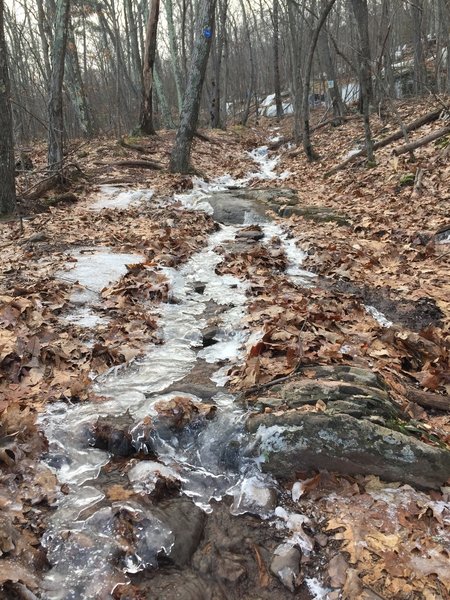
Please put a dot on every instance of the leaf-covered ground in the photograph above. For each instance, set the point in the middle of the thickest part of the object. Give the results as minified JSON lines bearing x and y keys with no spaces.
{"x":385,"y":541}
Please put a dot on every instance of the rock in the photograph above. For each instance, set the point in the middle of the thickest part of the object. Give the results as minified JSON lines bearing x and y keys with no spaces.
{"x":340,"y":397}
{"x":318,"y":214}
{"x":255,"y":495}
{"x":199,"y":287}
{"x":187,"y":522}
{"x":114,"y":435}
{"x":209,"y":336}
{"x":286,"y":565}
{"x":230,"y":456}
{"x":229,"y":568}
{"x":299,"y":441}
{"x":253,"y":233}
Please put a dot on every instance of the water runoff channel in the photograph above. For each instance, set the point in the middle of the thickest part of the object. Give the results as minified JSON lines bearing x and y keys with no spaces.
{"x":87,"y":552}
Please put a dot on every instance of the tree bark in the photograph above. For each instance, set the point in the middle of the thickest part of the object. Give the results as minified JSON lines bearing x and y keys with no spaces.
{"x":216,"y":113}
{"x":76,"y":86}
{"x":173,"y":48}
{"x":55,"y":103}
{"x":422,"y":141}
{"x":7,"y":166}
{"x":419,"y":56}
{"x":146,"y":120}
{"x":180,"y":158}
{"x":307,"y":145}
{"x":328,"y":65}
{"x":276,"y":59}
{"x":361,"y":13}
{"x":420,"y":122}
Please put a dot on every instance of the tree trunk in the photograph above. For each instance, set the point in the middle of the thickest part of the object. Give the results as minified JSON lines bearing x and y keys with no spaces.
{"x":296,"y":51}
{"x":76,"y":86}
{"x":329,"y":67}
{"x":135,"y":54}
{"x":162,"y":99}
{"x":180,"y":158}
{"x":276,"y":59}
{"x":250,"y":88}
{"x":146,"y":120}
{"x":361,"y":13}
{"x":174,"y":53}
{"x":419,"y":56}
{"x":55,"y":103}
{"x":216,"y":114}
{"x":307,"y":145}
{"x":7,"y":166}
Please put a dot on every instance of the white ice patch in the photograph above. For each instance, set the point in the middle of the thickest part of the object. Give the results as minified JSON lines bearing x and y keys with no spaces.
{"x":255,"y":495}
{"x":295,"y":255}
{"x":95,"y":268}
{"x":316,"y":588}
{"x":378,"y":316}
{"x":114,"y":197}
{"x":351,"y":153}
{"x":294,"y":523}
{"x":145,"y":475}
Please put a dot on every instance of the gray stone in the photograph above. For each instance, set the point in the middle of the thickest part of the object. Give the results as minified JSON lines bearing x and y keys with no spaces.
{"x":340,"y":397}
{"x":187,"y":522}
{"x":235,"y":205}
{"x":286,"y":565}
{"x":298,"y":441}
{"x":318,"y":214}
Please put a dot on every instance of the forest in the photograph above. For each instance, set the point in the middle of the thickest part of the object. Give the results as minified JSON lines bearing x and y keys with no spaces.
{"x":224,"y":299}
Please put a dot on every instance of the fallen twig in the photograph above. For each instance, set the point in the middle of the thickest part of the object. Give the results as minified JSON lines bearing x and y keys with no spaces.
{"x":139,"y":164}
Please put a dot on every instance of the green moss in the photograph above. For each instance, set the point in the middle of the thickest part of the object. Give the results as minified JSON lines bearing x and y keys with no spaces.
{"x":407,"y":179}
{"x":443,"y":142}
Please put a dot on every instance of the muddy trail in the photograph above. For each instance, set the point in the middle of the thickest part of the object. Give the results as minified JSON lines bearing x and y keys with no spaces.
{"x":205,"y":470}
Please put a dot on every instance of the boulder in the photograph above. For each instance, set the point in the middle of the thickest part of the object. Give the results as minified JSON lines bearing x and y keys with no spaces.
{"x":352,"y":430}
{"x":299,"y":441}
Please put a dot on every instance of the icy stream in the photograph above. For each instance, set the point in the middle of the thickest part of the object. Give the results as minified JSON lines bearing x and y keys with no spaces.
{"x":86,"y":548}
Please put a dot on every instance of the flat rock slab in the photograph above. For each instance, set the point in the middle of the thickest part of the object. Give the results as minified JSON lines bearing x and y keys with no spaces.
{"x":236,"y":206}
{"x":301,"y":441}
{"x":353,"y":434}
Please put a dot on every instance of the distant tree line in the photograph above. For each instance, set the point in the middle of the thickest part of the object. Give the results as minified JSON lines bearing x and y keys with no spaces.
{"x":79,"y":68}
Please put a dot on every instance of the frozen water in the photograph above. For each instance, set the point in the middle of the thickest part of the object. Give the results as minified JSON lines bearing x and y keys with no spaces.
{"x":213,"y":458}
{"x":95,"y":268}
{"x":378,"y":316}
{"x":316,"y":588}
{"x":114,"y":197}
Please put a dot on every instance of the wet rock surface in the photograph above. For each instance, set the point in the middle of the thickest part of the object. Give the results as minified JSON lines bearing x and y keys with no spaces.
{"x":354,"y":432}
{"x":416,"y":315}
{"x":232,"y":561}
{"x":234,"y":206}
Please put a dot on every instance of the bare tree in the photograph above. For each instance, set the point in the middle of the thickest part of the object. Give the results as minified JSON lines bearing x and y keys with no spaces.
{"x":180,"y":158}
{"x":7,"y":181}
{"x":55,"y":103}
{"x":146,"y":120}
{"x":307,"y":146}
{"x":360,"y":11}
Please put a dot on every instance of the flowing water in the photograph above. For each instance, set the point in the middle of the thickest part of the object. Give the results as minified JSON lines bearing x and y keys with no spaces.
{"x":87,"y":548}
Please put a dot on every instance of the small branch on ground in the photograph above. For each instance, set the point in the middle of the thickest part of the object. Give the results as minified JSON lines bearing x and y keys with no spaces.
{"x":138,"y":164}
{"x":428,"y":399}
